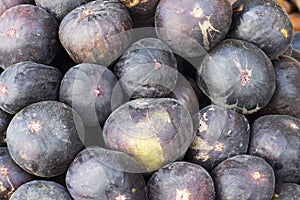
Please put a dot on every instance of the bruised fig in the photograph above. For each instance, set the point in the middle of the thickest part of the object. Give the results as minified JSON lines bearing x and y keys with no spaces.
{"x":97,"y":32}
{"x":181,"y":180}
{"x":11,"y":175}
{"x":263,"y":23}
{"x":220,"y":133}
{"x":276,"y":138}
{"x":27,"y":33}
{"x":147,"y":69}
{"x":244,"y":177}
{"x":191,"y":27}
{"x":28,"y":82}
{"x":44,"y":137}
{"x":97,"y":180}
{"x":237,"y":75}
{"x":153,"y":131}
{"x":41,"y":189}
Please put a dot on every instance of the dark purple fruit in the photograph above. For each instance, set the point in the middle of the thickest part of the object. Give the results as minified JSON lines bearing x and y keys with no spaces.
{"x":152,"y":131}
{"x":27,"y":33}
{"x":287,"y":191}
{"x":104,"y":27}
{"x":296,"y":41}
{"x":237,"y":75}
{"x":92,"y":90}
{"x":263,"y":23}
{"x":185,"y":94}
{"x":43,"y":138}
{"x":190,"y":27}
{"x":41,"y":189}
{"x":27,"y":82}
{"x":5,"y":119}
{"x":244,"y":177}
{"x":276,"y":138}
{"x":6,"y":4}
{"x":11,"y":175}
{"x":147,"y":69}
{"x":59,"y":8}
{"x":286,"y":98}
{"x":220,"y":133}
{"x":89,"y":178}
{"x":180,"y":181}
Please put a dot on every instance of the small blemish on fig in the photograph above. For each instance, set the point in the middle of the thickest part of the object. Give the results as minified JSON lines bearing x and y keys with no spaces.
{"x":11,"y":32}
{"x":257,"y":175}
{"x":220,"y":147}
{"x":4,"y":171}
{"x":98,"y":91}
{"x":197,"y":11}
{"x":34,"y":126}
{"x":157,"y":64}
{"x":293,"y":125}
{"x":246,"y":77}
{"x":183,"y":194}
{"x":284,"y":32}
{"x":3,"y":89}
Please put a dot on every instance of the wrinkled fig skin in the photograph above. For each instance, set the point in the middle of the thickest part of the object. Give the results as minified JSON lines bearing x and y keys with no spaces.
{"x":59,"y":8}
{"x":287,"y":191}
{"x":244,"y":83}
{"x":276,"y":138}
{"x":181,"y":180}
{"x":147,"y":69}
{"x":286,"y":99}
{"x":96,"y":32}
{"x":11,"y":175}
{"x":5,"y":119}
{"x":6,"y":4}
{"x":253,"y":21}
{"x":92,"y":90}
{"x":155,"y":131}
{"x":89,"y":178}
{"x":191,"y":27}
{"x":43,"y":138}
{"x":244,"y":177}
{"x":220,"y":133}
{"x":27,"y":32}
{"x":27,"y":82}
{"x":41,"y":189}
{"x":141,"y":9}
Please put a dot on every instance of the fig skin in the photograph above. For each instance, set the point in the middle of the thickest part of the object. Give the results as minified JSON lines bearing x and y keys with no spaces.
{"x":28,"y":82}
{"x":243,"y":83}
{"x":287,"y":191}
{"x":181,"y":180}
{"x":11,"y":175}
{"x":220,"y":133}
{"x":89,"y":169}
{"x":153,"y":131}
{"x":191,"y":27}
{"x":59,"y":8}
{"x":244,"y":177}
{"x":41,"y":189}
{"x":147,"y":69}
{"x":6,"y":4}
{"x":5,"y":119}
{"x":44,"y":137}
{"x":28,"y":33}
{"x":104,"y":27}
{"x":253,"y":21}
{"x":276,"y":138}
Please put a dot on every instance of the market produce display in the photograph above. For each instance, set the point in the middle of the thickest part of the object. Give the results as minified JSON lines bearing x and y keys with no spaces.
{"x":149,"y":100}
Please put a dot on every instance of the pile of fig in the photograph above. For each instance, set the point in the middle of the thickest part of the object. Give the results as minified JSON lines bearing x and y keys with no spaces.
{"x":149,"y":100}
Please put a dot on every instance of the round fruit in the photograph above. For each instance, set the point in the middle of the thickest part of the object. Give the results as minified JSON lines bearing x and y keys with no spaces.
{"x":40,"y":189}
{"x":90,"y":178}
{"x":190,"y":27}
{"x":276,"y":138}
{"x":287,"y":191}
{"x":237,"y":75}
{"x":141,"y":9}
{"x":27,"y":82}
{"x":43,"y":138}
{"x":11,"y":175}
{"x":181,"y":180}
{"x":27,"y":33}
{"x":59,"y":8}
{"x":5,"y":119}
{"x":286,"y":98}
{"x":244,"y":177}
{"x":104,"y":27}
{"x":147,"y":69}
{"x":263,"y":23}
{"x":92,"y":90}
{"x":220,"y":133}
{"x":6,"y":4}
{"x":153,"y":131}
